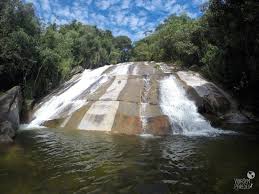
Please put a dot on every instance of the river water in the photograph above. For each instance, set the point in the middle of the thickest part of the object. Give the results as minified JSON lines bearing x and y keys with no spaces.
{"x":65,"y":161}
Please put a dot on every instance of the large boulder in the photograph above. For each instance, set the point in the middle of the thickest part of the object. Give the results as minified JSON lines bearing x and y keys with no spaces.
{"x":76,"y":70}
{"x":10,"y":109}
{"x":208,"y":97}
{"x":216,"y":104}
{"x":26,"y":114}
{"x":6,"y":132}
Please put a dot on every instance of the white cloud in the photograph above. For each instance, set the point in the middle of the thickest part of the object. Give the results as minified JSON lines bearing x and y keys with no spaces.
{"x":125,"y":4}
{"x":133,"y":21}
{"x":103,"y":4}
{"x":169,"y":4}
{"x":65,"y":12}
{"x":192,"y":15}
{"x":45,"y":4}
{"x":199,"y":2}
{"x":30,"y":1}
{"x":129,"y":17}
{"x":177,"y":9}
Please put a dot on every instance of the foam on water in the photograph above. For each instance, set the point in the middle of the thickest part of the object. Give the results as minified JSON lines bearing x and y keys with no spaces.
{"x":182,"y":112}
{"x":58,"y":103}
{"x":144,"y":104}
{"x":147,"y":135}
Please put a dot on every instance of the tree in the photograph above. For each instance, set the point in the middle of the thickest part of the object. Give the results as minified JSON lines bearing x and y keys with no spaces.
{"x":124,"y":45}
{"x":19,"y":32}
{"x":40,"y":58}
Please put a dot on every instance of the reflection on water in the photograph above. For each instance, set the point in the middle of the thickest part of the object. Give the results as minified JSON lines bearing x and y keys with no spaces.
{"x":54,"y":161}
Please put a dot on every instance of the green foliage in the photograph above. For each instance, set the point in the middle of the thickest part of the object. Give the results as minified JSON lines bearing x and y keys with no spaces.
{"x":124,"y":45}
{"x":233,"y":28}
{"x":158,"y":67}
{"x":224,"y":43}
{"x":171,"y":41}
{"x":19,"y":33}
{"x":210,"y":59}
{"x":142,"y":51}
{"x":39,"y":58}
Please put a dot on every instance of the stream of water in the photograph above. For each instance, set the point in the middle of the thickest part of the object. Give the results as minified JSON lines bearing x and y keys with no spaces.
{"x":182,"y":112}
{"x":58,"y":103}
{"x":144,"y":104}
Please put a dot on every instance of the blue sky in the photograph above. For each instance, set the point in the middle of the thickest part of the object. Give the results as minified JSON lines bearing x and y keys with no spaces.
{"x":123,"y":17}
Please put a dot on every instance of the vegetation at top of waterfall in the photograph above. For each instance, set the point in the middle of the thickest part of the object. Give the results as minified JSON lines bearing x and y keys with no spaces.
{"x":223,"y":44}
{"x":39,"y":57}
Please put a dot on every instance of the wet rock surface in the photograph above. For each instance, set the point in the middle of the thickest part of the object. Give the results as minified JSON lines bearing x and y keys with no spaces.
{"x":215,"y":103}
{"x":159,"y":125}
{"x":208,"y":97}
{"x":115,"y":104}
{"x":76,"y":70}
{"x":10,"y":108}
{"x":127,"y":98}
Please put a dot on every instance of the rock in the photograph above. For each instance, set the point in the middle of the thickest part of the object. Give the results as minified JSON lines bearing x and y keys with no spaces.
{"x":26,"y":115}
{"x":116,"y":104}
{"x":208,"y":97}
{"x":125,"y":124}
{"x":235,"y":117}
{"x":10,"y":109}
{"x":76,"y":70}
{"x":7,"y":132}
{"x":194,"y":68}
{"x":159,"y":125}
{"x":212,"y":101}
{"x":4,"y":139}
{"x":250,"y":115}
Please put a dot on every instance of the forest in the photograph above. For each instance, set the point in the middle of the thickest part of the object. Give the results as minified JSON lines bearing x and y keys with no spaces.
{"x":39,"y":57}
{"x":222,"y":44}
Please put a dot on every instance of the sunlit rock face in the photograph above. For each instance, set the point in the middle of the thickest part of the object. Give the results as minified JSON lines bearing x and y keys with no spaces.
{"x":122,"y":98}
{"x":136,"y":98}
{"x":208,"y":97}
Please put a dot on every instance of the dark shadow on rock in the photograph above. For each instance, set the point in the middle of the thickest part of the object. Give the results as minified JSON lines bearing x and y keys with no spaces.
{"x":10,"y":109}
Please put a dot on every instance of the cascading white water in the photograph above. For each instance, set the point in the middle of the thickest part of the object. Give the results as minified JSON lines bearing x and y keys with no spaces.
{"x":144,"y":121}
{"x":143,"y":107}
{"x":90,"y":80}
{"x":182,"y":112}
{"x":58,"y":103}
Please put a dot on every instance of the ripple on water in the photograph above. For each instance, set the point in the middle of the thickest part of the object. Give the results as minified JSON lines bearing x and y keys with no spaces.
{"x":55,"y":161}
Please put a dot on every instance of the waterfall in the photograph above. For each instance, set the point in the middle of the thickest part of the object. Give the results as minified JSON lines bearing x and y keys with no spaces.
{"x":90,"y":81}
{"x":182,"y":112}
{"x":143,"y":106}
{"x":58,"y":103}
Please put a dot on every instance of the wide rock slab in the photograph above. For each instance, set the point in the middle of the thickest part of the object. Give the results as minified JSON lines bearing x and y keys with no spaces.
{"x":208,"y":97}
{"x":125,"y":100}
